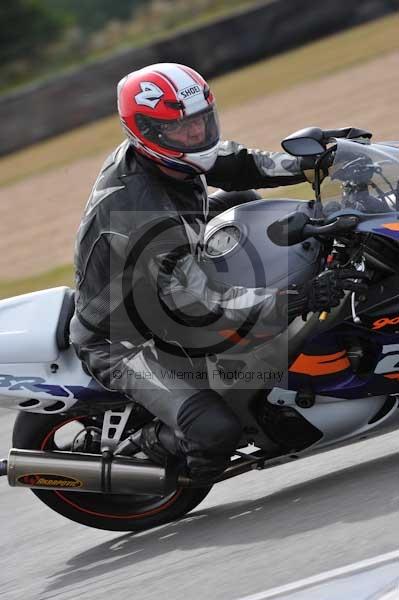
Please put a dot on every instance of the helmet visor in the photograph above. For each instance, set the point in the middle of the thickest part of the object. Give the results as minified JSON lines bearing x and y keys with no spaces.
{"x":191,"y":133}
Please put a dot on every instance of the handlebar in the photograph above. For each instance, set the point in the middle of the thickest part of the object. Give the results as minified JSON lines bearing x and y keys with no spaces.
{"x":297,"y":227}
{"x":340,"y":225}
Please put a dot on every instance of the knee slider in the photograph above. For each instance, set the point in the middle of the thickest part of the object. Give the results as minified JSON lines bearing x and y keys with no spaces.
{"x":207,"y":420}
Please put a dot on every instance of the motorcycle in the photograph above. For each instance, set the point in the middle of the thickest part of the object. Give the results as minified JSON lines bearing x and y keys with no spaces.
{"x":321,"y":382}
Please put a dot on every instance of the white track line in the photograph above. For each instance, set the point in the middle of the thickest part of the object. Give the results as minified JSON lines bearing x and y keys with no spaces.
{"x":247,"y":512}
{"x":164,"y":537}
{"x":322,"y":577}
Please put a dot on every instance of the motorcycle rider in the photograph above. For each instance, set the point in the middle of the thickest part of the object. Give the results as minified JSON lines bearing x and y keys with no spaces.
{"x":138,"y":262}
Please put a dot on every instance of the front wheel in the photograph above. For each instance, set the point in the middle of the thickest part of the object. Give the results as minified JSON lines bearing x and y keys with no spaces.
{"x":113,"y":512}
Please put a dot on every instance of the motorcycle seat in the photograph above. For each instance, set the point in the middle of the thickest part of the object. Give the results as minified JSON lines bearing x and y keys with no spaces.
{"x":64,"y":319}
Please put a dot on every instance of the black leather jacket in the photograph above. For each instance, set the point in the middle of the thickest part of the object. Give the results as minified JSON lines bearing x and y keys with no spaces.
{"x":138,"y":248}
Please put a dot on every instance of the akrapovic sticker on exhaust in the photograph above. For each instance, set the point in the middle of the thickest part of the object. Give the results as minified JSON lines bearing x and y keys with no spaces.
{"x":50,"y":481}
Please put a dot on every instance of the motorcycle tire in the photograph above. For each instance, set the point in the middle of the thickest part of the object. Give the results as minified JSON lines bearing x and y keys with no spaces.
{"x":111,"y":512}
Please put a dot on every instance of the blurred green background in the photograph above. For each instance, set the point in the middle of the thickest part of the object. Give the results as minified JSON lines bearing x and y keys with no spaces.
{"x":42,"y":37}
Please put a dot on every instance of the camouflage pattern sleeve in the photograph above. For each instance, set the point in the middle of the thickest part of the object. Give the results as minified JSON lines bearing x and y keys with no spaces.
{"x":185,"y":289}
{"x":239,"y":168}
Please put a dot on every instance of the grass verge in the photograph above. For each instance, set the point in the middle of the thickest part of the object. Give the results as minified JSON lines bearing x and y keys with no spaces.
{"x":59,"y":276}
{"x":309,"y":62}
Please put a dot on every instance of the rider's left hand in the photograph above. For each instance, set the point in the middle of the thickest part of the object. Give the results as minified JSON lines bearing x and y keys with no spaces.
{"x":307,"y":164}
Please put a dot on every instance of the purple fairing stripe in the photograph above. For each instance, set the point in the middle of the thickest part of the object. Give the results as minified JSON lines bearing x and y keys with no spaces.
{"x":387,"y":232}
{"x":79,"y":392}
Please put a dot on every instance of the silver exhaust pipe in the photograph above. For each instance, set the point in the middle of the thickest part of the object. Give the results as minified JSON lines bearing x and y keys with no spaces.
{"x":73,"y":471}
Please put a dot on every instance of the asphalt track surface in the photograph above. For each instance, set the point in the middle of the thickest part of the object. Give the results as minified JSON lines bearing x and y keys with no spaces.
{"x":252,"y":533}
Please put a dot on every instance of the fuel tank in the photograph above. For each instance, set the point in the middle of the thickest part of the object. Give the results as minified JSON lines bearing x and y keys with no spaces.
{"x":238,"y":250}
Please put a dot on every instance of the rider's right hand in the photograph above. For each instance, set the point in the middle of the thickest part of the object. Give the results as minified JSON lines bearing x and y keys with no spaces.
{"x":325,"y":291}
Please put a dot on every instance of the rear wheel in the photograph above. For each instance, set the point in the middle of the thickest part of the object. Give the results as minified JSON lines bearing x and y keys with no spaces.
{"x":113,"y":512}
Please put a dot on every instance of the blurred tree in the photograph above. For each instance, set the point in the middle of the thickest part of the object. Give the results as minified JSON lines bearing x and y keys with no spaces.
{"x":92,"y":15}
{"x":27,"y":26}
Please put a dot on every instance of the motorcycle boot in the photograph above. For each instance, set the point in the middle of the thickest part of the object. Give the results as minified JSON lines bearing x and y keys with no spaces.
{"x":159,"y":443}
{"x":202,"y":444}
{"x":211,"y":433}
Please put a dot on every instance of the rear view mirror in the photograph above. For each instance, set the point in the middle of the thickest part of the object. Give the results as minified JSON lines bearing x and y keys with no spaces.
{"x":305,"y":142}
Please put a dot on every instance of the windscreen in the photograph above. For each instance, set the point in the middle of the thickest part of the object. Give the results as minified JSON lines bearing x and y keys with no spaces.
{"x":363,"y":177}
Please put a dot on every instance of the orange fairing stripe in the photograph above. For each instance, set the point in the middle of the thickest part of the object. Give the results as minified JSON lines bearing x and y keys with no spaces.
{"x":391,"y":226}
{"x":232,"y":335}
{"x":324,"y":364}
{"x":392,"y":375}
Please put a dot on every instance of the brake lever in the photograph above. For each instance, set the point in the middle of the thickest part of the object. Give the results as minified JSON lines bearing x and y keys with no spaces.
{"x":360,"y":266}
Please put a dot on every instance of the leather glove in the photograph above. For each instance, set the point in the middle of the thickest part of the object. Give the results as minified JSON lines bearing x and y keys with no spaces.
{"x":325,"y":291}
{"x":307,"y":165}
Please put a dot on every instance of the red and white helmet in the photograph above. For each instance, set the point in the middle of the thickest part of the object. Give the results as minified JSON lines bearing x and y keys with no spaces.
{"x":169,"y":114}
